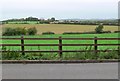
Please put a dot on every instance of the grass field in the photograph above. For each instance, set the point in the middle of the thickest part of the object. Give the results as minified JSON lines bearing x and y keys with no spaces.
{"x":22,"y":22}
{"x":112,"y":35}
{"x":61,"y":28}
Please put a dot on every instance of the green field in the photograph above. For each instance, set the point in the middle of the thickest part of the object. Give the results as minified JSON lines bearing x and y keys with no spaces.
{"x":23,"y":22}
{"x":112,"y":35}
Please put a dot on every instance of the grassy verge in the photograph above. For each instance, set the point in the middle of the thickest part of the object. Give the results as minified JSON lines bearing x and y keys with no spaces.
{"x":65,"y":56}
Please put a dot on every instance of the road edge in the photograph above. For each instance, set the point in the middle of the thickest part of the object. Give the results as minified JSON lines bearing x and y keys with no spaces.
{"x":55,"y":61}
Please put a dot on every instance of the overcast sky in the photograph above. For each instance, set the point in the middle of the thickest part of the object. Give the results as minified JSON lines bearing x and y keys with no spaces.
{"x":60,"y":9}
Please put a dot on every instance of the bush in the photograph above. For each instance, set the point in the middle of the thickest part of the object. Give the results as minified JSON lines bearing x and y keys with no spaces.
{"x":116,"y":31}
{"x":92,"y":32}
{"x":9,"y":32}
{"x":18,"y":31}
{"x":99,"y":29}
{"x":72,"y":33}
{"x":47,"y":33}
{"x":14,"y":31}
{"x":32,"y":31}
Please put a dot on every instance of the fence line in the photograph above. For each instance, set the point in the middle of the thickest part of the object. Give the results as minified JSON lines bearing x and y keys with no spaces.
{"x":60,"y":45}
{"x":61,"y":38}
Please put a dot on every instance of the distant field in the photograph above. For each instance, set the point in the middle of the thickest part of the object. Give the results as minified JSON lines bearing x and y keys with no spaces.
{"x":22,"y":22}
{"x":60,"y":28}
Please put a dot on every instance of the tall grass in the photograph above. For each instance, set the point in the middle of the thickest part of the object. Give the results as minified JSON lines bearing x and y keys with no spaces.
{"x":65,"y":56}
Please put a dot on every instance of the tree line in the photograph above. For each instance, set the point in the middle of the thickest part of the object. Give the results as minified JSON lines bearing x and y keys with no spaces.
{"x":54,"y":21}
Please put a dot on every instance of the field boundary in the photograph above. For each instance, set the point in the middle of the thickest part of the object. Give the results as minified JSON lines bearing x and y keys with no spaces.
{"x":60,"y":45}
{"x":60,"y":50}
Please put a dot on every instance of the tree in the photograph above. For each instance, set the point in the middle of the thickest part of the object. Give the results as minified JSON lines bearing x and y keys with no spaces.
{"x":31,"y":19}
{"x":99,"y":28}
{"x":14,"y":31}
{"x":52,"y":19}
{"x":32,"y":31}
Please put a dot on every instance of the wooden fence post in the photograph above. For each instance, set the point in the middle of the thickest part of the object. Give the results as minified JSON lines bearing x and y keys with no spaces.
{"x":22,"y":45}
{"x":60,"y":46}
{"x":95,"y":46}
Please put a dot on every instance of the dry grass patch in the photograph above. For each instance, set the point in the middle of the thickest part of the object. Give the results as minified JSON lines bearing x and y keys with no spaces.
{"x":61,"y":28}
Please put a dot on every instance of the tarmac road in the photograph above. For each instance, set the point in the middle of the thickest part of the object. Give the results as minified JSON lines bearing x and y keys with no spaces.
{"x":60,"y":71}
